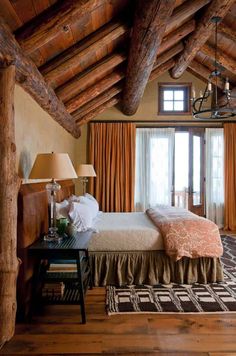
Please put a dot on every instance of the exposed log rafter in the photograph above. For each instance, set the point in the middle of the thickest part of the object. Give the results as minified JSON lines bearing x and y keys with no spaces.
{"x":204,"y":72}
{"x":94,"y":90}
{"x":90,"y":76}
{"x":149,"y":27}
{"x":52,"y":22}
{"x":227,"y":31}
{"x":222,"y":58}
{"x":28,"y":76}
{"x":201,"y":34}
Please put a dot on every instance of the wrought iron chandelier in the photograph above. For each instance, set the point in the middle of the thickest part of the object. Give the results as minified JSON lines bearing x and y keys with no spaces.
{"x":207,"y":106}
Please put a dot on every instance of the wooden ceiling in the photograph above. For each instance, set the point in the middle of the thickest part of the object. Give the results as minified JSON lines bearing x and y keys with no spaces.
{"x":93,"y":54}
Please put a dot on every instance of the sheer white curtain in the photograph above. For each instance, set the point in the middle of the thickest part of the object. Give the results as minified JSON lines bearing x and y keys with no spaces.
{"x":215,"y":176}
{"x":154,"y":167}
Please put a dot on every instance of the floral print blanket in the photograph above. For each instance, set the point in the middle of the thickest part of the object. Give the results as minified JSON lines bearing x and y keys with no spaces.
{"x":186,"y":234}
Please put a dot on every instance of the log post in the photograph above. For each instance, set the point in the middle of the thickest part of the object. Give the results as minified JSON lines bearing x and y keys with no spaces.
{"x":9,"y":186}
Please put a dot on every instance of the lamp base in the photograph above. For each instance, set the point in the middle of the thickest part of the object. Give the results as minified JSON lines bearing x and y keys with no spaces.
{"x":52,"y":236}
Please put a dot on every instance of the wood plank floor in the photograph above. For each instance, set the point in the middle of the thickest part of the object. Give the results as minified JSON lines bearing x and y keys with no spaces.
{"x":56,"y":331}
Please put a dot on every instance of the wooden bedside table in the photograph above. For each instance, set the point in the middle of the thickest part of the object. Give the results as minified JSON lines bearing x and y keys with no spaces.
{"x":70,"y":248}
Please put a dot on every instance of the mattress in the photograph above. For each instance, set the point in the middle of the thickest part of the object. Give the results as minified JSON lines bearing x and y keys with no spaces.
{"x":125,"y":232}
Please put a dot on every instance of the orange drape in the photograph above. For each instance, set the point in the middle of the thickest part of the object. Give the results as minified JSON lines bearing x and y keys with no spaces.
{"x":112,"y":152}
{"x":230,"y":176}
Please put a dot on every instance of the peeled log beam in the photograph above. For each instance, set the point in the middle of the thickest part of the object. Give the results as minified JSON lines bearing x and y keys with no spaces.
{"x":52,"y":22}
{"x":222,"y":58}
{"x":9,"y":186}
{"x":184,"y":12}
{"x":149,"y":26}
{"x":98,"y":111}
{"x":176,"y":36}
{"x":95,"y":73}
{"x":95,"y":90}
{"x":203,"y":31}
{"x":98,"y":101}
{"x":204,"y":72}
{"x":163,"y":58}
{"x":158,"y":71}
{"x":227,"y":31}
{"x":81,"y":56}
{"x":32,"y":81}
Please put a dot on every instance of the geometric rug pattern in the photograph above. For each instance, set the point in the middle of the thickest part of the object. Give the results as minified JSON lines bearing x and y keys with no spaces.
{"x":174,"y":298}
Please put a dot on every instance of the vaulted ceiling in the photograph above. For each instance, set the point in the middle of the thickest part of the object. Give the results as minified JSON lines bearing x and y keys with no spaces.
{"x":94,"y":54}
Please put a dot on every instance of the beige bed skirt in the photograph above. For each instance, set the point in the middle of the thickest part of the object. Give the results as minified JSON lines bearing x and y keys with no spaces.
{"x":152,"y":267}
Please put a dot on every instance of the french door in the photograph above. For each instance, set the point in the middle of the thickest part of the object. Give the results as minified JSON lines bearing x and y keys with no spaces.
{"x":188,"y":177}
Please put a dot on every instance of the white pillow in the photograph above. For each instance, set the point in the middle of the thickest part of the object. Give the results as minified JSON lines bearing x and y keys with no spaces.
{"x":81,"y":216}
{"x":93,"y":206}
{"x":74,"y":198}
{"x":62,"y":209}
{"x":89,"y":196}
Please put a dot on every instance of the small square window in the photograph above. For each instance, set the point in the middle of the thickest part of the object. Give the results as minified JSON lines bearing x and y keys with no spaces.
{"x":174,"y":99}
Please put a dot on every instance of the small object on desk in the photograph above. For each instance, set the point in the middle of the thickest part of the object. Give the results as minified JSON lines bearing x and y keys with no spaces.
{"x":61,"y":226}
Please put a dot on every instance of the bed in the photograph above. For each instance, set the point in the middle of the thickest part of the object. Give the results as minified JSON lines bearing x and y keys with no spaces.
{"x":126,"y":248}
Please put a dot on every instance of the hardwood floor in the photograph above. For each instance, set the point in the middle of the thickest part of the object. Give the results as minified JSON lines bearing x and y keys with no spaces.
{"x":56,"y":331}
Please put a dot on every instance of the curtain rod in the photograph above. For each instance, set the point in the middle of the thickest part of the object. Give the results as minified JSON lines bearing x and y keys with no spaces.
{"x":164,"y":122}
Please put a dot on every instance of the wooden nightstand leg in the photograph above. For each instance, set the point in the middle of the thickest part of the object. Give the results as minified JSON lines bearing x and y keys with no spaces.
{"x":90,"y":271}
{"x":81,"y":289}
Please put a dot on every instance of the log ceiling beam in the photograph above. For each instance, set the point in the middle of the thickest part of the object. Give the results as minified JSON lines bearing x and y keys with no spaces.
{"x":93,"y":74}
{"x":184,"y":12}
{"x":68,"y":63}
{"x":222,"y":58}
{"x":164,"y":67}
{"x":204,"y":72}
{"x":98,"y":105}
{"x":172,"y":52}
{"x":28,"y":76}
{"x":98,"y":101}
{"x":176,"y":36}
{"x":203,"y":31}
{"x":53,"y":21}
{"x":170,"y":46}
{"x":227,"y":31}
{"x":149,"y":27}
{"x":98,"y":110}
{"x":95,"y":90}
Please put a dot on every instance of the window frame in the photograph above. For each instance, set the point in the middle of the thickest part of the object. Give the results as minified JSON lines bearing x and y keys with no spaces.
{"x":172,"y":86}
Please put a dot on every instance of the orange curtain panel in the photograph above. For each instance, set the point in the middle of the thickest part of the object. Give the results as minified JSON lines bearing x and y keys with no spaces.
{"x":112,"y":152}
{"x":230,"y":176}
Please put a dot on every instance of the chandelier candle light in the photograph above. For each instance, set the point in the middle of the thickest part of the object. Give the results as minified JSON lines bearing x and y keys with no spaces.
{"x":207,"y":105}
{"x":52,"y":166}
{"x":84,"y":171}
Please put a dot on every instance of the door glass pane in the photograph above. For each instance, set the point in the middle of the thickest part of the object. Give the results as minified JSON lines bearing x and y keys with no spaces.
{"x":181,"y":169}
{"x":196,"y":170}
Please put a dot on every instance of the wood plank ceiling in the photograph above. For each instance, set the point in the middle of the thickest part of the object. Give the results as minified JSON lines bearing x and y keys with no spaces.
{"x":94,"y":54}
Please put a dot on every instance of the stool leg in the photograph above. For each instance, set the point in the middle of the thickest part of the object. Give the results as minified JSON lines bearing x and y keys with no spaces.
{"x":81,"y":288}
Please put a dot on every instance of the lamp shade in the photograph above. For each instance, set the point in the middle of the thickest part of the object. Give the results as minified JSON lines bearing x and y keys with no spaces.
{"x":86,"y":170}
{"x":53,"y":165}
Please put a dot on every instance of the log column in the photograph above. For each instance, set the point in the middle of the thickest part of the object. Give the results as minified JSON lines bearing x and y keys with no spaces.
{"x":9,"y":186}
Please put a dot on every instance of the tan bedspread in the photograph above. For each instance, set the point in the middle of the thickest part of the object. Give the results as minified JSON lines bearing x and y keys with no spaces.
{"x":186,"y":234}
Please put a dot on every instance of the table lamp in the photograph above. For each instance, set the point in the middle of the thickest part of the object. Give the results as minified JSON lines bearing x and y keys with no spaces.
{"x":83,"y":172}
{"x":52,"y":166}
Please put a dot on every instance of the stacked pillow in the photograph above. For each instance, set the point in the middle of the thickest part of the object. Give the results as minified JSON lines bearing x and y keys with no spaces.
{"x":80,"y":210}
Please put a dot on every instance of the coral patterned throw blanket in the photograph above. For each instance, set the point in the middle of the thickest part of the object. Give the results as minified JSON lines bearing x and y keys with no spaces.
{"x":186,"y":234}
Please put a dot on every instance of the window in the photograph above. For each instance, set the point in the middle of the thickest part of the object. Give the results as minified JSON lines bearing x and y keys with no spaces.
{"x":174,"y":99}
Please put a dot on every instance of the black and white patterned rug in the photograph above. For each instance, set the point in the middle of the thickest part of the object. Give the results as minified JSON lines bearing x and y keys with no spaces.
{"x":196,"y":298}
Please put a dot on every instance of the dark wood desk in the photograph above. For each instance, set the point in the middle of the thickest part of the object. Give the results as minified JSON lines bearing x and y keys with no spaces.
{"x":70,"y":248}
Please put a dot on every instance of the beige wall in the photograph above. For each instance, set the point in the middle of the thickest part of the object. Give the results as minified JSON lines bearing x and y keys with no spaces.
{"x":36,"y":132}
{"x":148,"y":107}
